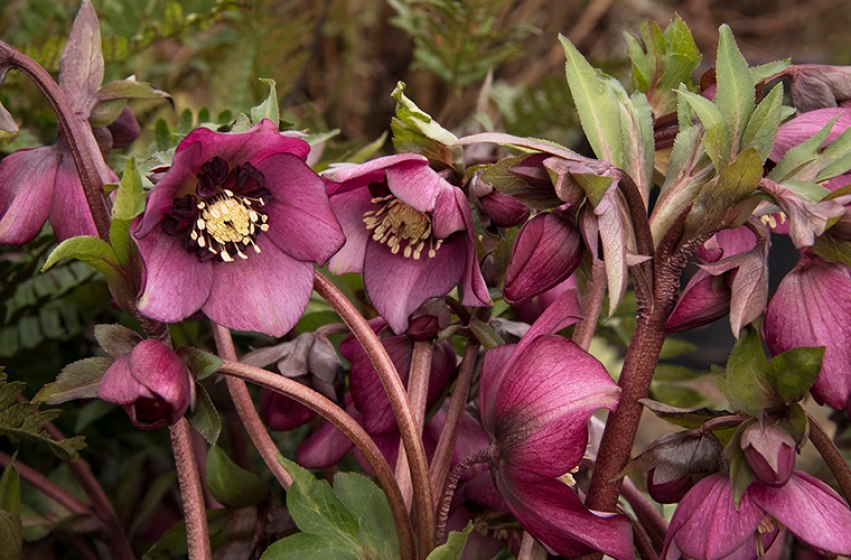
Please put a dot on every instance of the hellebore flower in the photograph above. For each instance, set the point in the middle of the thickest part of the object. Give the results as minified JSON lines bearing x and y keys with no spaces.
{"x":548,"y":249}
{"x":408,"y":231}
{"x":819,"y":85}
{"x":233,"y":229}
{"x":770,"y":452}
{"x":495,"y":208}
{"x":812,"y":307}
{"x":151,"y":383}
{"x":536,"y":400}
{"x":707,"y":525}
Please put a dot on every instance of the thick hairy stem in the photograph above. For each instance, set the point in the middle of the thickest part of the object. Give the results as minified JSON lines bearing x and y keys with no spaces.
{"x":50,"y":488}
{"x":346,"y":424}
{"x":423,"y":505}
{"x":647,"y":515}
{"x":592,"y":300}
{"x":80,"y":138}
{"x":197,"y":533}
{"x":449,"y":435}
{"x":418,"y":379}
{"x":247,"y":412}
{"x":831,"y":456}
{"x":481,"y":456}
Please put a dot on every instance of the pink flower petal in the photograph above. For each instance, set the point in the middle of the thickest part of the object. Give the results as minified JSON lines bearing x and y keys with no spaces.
{"x":350,"y":207}
{"x":27,"y":179}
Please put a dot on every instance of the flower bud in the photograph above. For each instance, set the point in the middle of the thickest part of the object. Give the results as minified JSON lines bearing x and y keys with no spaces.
{"x":151,"y":383}
{"x":770,"y":452}
{"x":705,"y":299}
{"x":431,"y":318}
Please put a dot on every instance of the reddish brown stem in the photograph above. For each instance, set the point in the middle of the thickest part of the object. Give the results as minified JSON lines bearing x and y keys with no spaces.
{"x":832,"y":456}
{"x":418,"y":379}
{"x":648,"y":516}
{"x":197,"y":532}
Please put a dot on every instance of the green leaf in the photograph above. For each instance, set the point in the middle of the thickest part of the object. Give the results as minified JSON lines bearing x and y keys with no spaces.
{"x":225,"y":526}
{"x":269,"y":108}
{"x":676,"y":395}
{"x":691,"y":418}
{"x":23,"y":420}
{"x":597,"y":104}
{"x":205,"y":418}
{"x":674,"y":347}
{"x":129,"y":203}
{"x":116,"y":340}
{"x":185,"y":122}
{"x":716,"y":137}
{"x":232,"y":485}
{"x":11,"y":536}
{"x":368,"y":505}
{"x":761,"y":132}
{"x":736,"y":93}
{"x":10,"y":489}
{"x":745,"y":383}
{"x":797,"y":424}
{"x":764,"y":72}
{"x":829,"y":247}
{"x":93,"y":251}
{"x":741,"y":474}
{"x":200,"y":363}
{"x":486,"y":335}
{"x":78,"y":380}
{"x":162,"y":135}
{"x":801,"y":156}
{"x":500,"y":177}
{"x":414,"y":130}
{"x":454,"y":547}
{"x":792,"y":373}
{"x":307,"y":546}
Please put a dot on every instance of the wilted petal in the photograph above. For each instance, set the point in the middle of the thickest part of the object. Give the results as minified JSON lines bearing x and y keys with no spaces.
{"x":819,"y":85}
{"x":812,"y":307}
{"x":811,"y":510}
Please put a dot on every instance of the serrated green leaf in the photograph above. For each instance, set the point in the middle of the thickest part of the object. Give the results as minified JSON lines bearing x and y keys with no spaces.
{"x":205,"y":418}
{"x":745,"y":383}
{"x":793,"y":372}
{"x":454,"y":546}
{"x":269,"y":108}
{"x":801,"y":156}
{"x":716,"y":137}
{"x":736,"y":93}
{"x":200,"y":363}
{"x":78,"y":380}
{"x":761,"y":132}
{"x":597,"y":105}
{"x":116,"y":340}
{"x":368,"y":505}
{"x":764,"y":72}
{"x":93,"y":251}
{"x":230,"y":484}
{"x":242,"y":123}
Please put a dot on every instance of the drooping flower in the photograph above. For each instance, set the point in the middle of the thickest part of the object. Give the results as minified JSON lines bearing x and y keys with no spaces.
{"x":707,"y":525}
{"x":770,"y":452}
{"x":233,"y":229}
{"x":536,"y":400}
{"x":408,"y":231}
{"x":812,"y":307}
{"x":151,"y":383}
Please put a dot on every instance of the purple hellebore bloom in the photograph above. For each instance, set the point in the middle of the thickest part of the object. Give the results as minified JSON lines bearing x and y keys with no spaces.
{"x":812,"y":307}
{"x":536,"y":400}
{"x":707,"y":525}
{"x":233,"y":229}
{"x":770,"y":452}
{"x":408,"y":231}
{"x":151,"y":383}
{"x":548,"y":249}
{"x":38,"y":184}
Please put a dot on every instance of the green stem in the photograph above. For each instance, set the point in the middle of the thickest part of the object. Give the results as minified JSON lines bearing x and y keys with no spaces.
{"x":418,"y":378}
{"x":334,"y":414}
{"x":423,"y":503}
{"x":246,"y":410}
{"x":197,"y":532}
{"x":449,"y":434}
{"x":832,"y":456}
{"x":76,"y":129}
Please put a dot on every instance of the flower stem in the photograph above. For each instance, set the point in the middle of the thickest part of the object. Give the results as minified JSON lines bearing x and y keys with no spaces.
{"x":197,"y":533}
{"x":418,"y":378}
{"x":449,"y":435}
{"x":646,"y":514}
{"x":832,"y":456}
{"x":350,"y":428}
{"x":246,"y":410}
{"x":530,"y":549}
{"x":76,"y":129}
{"x":425,"y":514}
{"x":480,"y":456}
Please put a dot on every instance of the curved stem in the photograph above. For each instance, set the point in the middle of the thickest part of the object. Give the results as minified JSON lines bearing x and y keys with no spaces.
{"x":50,"y":488}
{"x":350,"y":428}
{"x":480,"y":456}
{"x":831,"y":456}
{"x":418,"y":378}
{"x":449,"y":434}
{"x":197,"y":532}
{"x":80,"y":138}
{"x":425,"y":515}
{"x":646,"y":514}
{"x":247,"y":411}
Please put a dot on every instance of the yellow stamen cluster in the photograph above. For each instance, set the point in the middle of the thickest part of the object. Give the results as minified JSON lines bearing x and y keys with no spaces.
{"x":567,"y":478}
{"x":395,"y":223}
{"x":766,"y":525}
{"x":771,"y":221}
{"x":228,"y":218}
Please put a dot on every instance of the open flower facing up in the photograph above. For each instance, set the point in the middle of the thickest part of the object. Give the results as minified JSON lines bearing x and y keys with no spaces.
{"x":536,"y":400}
{"x":151,"y":383}
{"x":408,"y":231}
{"x":233,"y":229}
{"x":812,"y":307}
{"x":707,"y":525}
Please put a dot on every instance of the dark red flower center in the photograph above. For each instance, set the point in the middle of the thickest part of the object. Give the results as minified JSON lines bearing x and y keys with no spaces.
{"x":401,"y":227}
{"x":225,"y":215}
